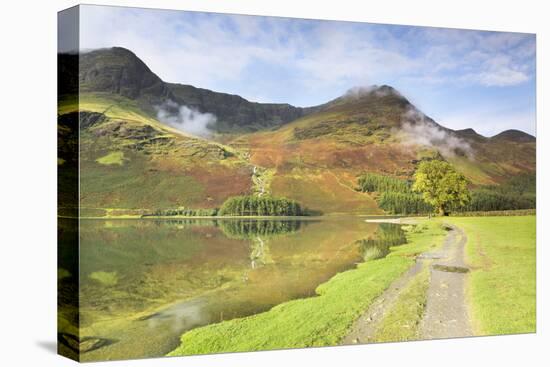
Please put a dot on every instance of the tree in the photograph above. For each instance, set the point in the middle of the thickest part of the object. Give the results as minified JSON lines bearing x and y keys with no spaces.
{"x":441,"y":185}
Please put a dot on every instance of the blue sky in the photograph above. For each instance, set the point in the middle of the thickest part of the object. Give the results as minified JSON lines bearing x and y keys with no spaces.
{"x":461,"y":78}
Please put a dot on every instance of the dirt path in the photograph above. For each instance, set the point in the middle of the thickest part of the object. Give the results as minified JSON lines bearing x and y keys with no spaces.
{"x":364,"y":328}
{"x":446,"y":314}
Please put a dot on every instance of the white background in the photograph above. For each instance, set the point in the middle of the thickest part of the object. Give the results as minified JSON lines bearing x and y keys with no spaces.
{"x":28,"y":181}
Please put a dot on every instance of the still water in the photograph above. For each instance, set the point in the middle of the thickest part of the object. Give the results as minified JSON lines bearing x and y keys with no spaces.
{"x":142,"y":283}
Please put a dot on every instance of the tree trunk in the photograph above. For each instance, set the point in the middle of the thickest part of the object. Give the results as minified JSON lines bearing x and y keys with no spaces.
{"x":441,"y":211}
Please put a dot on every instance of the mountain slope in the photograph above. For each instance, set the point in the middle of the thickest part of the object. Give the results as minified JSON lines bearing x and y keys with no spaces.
{"x":119,"y":72}
{"x":316,"y":159}
{"x":132,"y":162}
{"x":514,"y":136}
{"x":234,"y":113}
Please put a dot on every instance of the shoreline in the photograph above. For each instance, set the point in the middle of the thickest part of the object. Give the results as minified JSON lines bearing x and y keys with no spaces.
{"x":273,"y":217}
{"x":328,"y":295}
{"x":369,"y":218}
{"x":401,"y":220}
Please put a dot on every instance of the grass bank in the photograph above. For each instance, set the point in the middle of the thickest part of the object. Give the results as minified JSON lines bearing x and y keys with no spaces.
{"x":496,"y":213}
{"x":316,"y":321}
{"x":501,"y":285}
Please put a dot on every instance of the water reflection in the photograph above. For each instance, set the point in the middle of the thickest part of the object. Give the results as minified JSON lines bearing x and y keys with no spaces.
{"x":256,"y":231}
{"x":250,"y":228}
{"x":145,"y":282}
{"x":378,"y":246}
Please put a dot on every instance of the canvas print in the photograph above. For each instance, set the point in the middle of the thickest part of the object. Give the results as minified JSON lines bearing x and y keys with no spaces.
{"x":237,"y":183}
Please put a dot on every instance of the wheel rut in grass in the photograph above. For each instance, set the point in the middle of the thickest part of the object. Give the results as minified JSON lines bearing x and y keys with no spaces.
{"x":364,"y":328}
{"x":446,"y":314}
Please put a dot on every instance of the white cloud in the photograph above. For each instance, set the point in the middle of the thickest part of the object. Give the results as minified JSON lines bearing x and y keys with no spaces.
{"x":308,"y":62}
{"x":502,"y":77}
{"x":186,"y":118}
{"x":416,"y":129}
{"x":209,"y":50}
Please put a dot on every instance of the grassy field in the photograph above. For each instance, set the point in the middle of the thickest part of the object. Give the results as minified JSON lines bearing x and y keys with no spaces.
{"x":316,"y":321}
{"x":502,"y":284}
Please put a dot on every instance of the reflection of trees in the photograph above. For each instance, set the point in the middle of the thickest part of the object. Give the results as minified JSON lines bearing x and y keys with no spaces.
{"x":240,"y":229}
{"x":185,"y":223}
{"x":386,"y":236}
{"x":250,"y":229}
{"x":258,"y":232}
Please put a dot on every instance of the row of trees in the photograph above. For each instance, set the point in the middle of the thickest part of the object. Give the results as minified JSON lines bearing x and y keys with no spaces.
{"x":246,"y":205}
{"x":485,"y":200}
{"x":403,"y":203}
{"x":184,"y":212}
{"x":372,"y":182}
{"x":249,"y":205}
{"x":395,"y":195}
{"x":517,"y":194}
{"x":436,"y":186}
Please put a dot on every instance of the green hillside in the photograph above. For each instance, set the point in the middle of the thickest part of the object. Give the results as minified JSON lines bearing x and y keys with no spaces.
{"x":132,"y":163}
{"x":318,"y":158}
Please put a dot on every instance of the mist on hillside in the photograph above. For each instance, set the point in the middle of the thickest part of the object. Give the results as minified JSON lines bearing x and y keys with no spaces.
{"x":378,"y":91}
{"x":417,"y":129}
{"x":186,"y":119}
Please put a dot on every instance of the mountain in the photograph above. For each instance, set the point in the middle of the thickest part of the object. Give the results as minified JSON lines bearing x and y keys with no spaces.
{"x":316,"y":159}
{"x":131,"y":162}
{"x":119,"y":71}
{"x":234,"y":113}
{"x":514,"y":136}
{"x":470,"y":134}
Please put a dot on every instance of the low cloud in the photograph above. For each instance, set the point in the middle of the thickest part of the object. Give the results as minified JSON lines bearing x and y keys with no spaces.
{"x":186,"y":119}
{"x":378,"y":91}
{"x":417,"y":129}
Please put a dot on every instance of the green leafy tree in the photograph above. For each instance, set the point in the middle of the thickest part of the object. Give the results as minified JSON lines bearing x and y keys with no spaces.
{"x":441,"y":185}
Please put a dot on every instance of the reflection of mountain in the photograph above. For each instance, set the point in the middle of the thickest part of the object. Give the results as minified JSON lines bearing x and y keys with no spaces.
{"x":130,"y":160}
{"x":174,"y":262}
{"x":256,"y":232}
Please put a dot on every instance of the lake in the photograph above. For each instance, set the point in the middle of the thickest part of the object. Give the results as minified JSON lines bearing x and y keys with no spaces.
{"x":142,"y":283}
